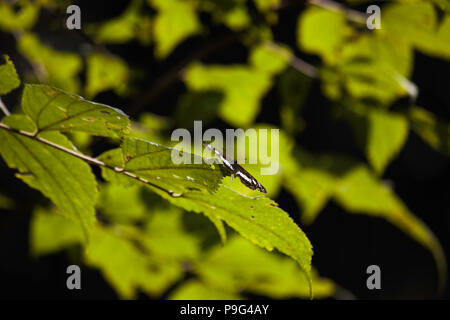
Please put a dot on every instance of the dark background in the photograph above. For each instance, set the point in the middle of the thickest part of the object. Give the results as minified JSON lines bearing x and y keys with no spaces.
{"x":344,"y":244}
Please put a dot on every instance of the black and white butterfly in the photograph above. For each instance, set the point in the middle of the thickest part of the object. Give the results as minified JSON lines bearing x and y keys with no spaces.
{"x":237,"y":171}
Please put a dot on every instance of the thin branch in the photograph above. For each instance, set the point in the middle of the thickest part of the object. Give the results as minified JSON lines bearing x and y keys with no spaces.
{"x":295,"y":62}
{"x":351,"y":14}
{"x":4,"y":108}
{"x":33,"y":135}
{"x":173,"y":75}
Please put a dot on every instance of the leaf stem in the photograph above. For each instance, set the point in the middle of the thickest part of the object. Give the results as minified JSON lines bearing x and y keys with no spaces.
{"x":86,"y":158}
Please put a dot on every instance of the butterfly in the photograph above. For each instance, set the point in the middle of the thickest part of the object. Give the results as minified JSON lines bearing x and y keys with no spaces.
{"x":237,"y":171}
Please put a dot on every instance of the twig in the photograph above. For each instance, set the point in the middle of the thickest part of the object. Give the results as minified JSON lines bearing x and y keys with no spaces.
{"x":33,"y":135}
{"x":4,"y":108}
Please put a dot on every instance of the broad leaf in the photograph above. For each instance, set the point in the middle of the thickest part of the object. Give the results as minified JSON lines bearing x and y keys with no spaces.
{"x":153,"y":163}
{"x":435,"y":132}
{"x":196,"y":290}
{"x":361,"y":192}
{"x":257,"y":219}
{"x":387,"y":134}
{"x":322,"y":32}
{"x":126,"y":266}
{"x":9,"y":80}
{"x":106,"y":72}
{"x":63,"y":178}
{"x":20,"y":18}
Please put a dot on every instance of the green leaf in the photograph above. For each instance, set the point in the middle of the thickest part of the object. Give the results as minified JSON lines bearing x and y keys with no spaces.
{"x":51,"y":232}
{"x":257,"y":219}
{"x":52,"y":109}
{"x":256,"y":271}
{"x":6,"y":202}
{"x":126,"y":266}
{"x":322,"y":32}
{"x":123,"y":28}
{"x":56,"y":68}
{"x":243,"y":86}
{"x":416,"y":24}
{"x":312,"y":189}
{"x":153,"y":163}
{"x":196,"y":290}
{"x":9,"y":80}
{"x":105,"y":72}
{"x":435,"y":132}
{"x":63,"y":178}
{"x":122,"y":204}
{"x":361,"y":192}
{"x":387,"y":134}
{"x":377,"y":68}
{"x":20,"y":16}
{"x":166,"y":236}
{"x":176,"y":20}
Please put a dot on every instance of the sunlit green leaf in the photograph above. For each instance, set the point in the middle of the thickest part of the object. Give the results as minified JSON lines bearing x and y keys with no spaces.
{"x":126,"y":266}
{"x":361,"y":192}
{"x":165,"y":236}
{"x":52,"y":109}
{"x":387,"y":134}
{"x":435,"y":132}
{"x":322,"y":32}
{"x":9,"y":80}
{"x":175,"y":21}
{"x":196,"y":290}
{"x":122,"y":28}
{"x":20,"y":16}
{"x":122,"y":204}
{"x":51,"y":232}
{"x":254,"y":270}
{"x":6,"y":202}
{"x":416,"y":23}
{"x":105,"y":72}
{"x":153,"y":163}
{"x":66,"y":180}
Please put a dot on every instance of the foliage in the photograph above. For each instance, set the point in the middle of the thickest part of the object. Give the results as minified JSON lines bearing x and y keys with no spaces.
{"x":132,"y":220}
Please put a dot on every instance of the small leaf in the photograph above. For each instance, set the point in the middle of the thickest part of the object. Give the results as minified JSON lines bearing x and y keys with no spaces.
{"x":56,"y":68}
{"x":153,"y":163}
{"x":9,"y":80}
{"x":360,"y":192}
{"x":127,"y":267}
{"x":52,"y":109}
{"x":105,"y":72}
{"x":322,"y":32}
